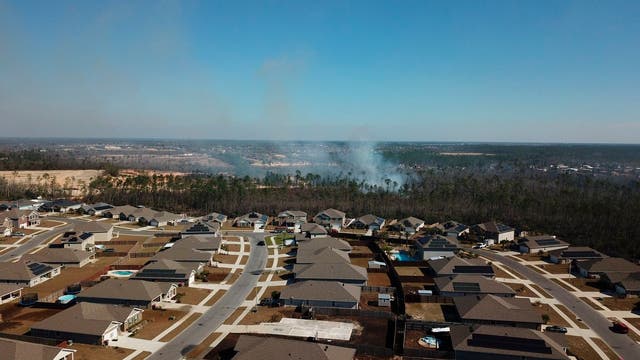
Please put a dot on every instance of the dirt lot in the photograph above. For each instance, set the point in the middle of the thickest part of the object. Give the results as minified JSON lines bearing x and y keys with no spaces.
{"x":18,"y":320}
{"x":626,"y":304}
{"x":216,"y":275}
{"x":157,"y":321}
{"x":521,"y":289}
{"x":572,"y":316}
{"x":70,"y":276}
{"x":185,"y":324}
{"x":410,"y":271}
{"x":579,"y":348}
{"x":425,"y":311}
{"x":215,"y":298}
{"x":379,"y":279}
{"x":267,"y":314}
{"x":554,"y":317}
{"x":46,"y":176}
{"x":360,"y":249}
{"x":192,"y":296}
{"x":364,"y":262}
{"x":225,"y":259}
{"x":96,"y":352}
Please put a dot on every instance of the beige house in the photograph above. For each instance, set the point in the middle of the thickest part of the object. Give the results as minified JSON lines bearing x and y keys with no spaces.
{"x":101,"y":231}
{"x":21,"y":350}
{"x":27,"y":273}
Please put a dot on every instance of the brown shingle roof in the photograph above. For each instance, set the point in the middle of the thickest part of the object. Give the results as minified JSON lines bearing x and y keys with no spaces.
{"x":22,"y":270}
{"x":137,"y":290}
{"x":495,"y":308}
{"x":59,"y":256}
{"x":322,"y":291}
{"x":336,"y":272}
{"x":609,"y":265}
{"x":250,"y":347}
{"x":22,"y":350}
{"x":325,"y":255}
{"x":93,"y":227}
{"x":85,"y":318}
{"x":487,"y":286}
{"x":323,"y":242}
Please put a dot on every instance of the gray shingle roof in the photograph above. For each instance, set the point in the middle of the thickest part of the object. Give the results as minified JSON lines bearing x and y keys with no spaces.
{"x":496,"y":308}
{"x":137,"y":290}
{"x":335,"y":272}
{"x":322,"y":291}
{"x":85,"y":318}
{"x":250,"y":347}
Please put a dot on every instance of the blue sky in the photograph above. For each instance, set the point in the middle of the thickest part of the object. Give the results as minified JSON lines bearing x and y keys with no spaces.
{"x":548,"y":71}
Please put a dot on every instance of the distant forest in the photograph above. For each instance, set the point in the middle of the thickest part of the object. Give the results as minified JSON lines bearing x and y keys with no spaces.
{"x":601,"y":212}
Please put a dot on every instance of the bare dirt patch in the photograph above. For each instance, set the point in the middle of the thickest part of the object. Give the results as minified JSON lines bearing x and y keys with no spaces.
{"x":185,"y":324}
{"x":378,"y":279}
{"x":215,"y":298}
{"x":18,"y":320}
{"x":234,"y":316}
{"x":605,"y":348}
{"x":556,"y":268}
{"x":96,"y":352}
{"x":521,"y":289}
{"x":157,"y":321}
{"x":425,"y":311}
{"x":554,"y":317}
{"x":541,"y":291}
{"x":267,"y":314}
{"x":410,"y":271}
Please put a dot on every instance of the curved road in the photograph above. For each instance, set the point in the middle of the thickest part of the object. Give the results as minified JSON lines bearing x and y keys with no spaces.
{"x":223,"y":308}
{"x":621,"y":344}
{"x":33,"y":242}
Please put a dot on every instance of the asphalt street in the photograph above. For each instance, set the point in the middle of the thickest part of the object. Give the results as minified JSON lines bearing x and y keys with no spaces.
{"x":620,"y":343}
{"x":33,"y":242}
{"x":223,"y":308}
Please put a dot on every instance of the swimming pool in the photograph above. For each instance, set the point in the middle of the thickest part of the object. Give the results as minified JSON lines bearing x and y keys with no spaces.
{"x":403,"y":255}
{"x":65,"y":299}
{"x":121,"y":273}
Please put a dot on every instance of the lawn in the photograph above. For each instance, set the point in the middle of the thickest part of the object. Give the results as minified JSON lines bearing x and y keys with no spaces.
{"x":216,"y":275}
{"x":625,"y":304}
{"x":585,"y":284}
{"x":202,"y":348}
{"x":591,"y":303}
{"x":234,"y":316}
{"x":185,"y":324}
{"x":143,"y":355}
{"x":556,"y":268}
{"x":579,"y":348}
{"x":215,"y":298}
{"x":157,"y":321}
{"x":225,"y":259}
{"x":267,"y":314}
{"x":50,"y":223}
{"x":409,"y":271}
{"x":605,"y":348}
{"x":572,"y":316}
{"x":521,"y":289}
{"x":501,"y":273}
{"x":541,"y":291}
{"x":554,"y":317}
{"x":96,"y":352}
{"x":192,"y":296}
{"x":562,"y":284}
{"x":280,"y":238}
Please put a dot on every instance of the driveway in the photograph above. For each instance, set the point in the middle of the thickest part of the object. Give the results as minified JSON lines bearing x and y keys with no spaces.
{"x":223,"y":308}
{"x":621,"y":344}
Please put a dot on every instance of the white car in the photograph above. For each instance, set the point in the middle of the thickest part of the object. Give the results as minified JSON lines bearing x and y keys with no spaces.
{"x":480,"y":246}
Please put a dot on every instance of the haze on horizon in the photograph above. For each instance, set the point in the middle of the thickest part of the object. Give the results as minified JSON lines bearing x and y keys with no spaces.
{"x":529,"y":71}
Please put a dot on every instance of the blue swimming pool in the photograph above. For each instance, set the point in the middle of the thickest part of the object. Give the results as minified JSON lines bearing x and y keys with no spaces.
{"x":124,"y":272}
{"x":64,"y":299}
{"x":405,"y":256}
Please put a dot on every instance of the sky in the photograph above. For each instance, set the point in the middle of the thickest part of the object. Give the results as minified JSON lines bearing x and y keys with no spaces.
{"x":530,"y":71}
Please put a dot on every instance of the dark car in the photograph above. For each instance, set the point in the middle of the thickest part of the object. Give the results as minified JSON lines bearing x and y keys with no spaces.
{"x":620,"y":327}
{"x":260,"y":243}
{"x":556,"y":328}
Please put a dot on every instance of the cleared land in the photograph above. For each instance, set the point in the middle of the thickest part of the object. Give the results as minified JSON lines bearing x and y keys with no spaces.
{"x":425,"y":311}
{"x":379,"y":279}
{"x":66,"y":178}
{"x":267,"y":314}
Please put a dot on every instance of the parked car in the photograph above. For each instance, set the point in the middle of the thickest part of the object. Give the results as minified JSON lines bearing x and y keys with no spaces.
{"x":556,"y":328}
{"x":480,"y":246}
{"x":19,"y":233}
{"x":260,"y":243}
{"x":619,"y":327}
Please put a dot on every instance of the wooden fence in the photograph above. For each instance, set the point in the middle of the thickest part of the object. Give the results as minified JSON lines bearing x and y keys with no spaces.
{"x":352,"y":312}
{"x":417,"y":298}
{"x":117,"y":242}
{"x":379,"y":289}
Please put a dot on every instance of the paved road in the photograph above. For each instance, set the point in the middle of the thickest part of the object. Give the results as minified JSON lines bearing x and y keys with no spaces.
{"x":34,"y":241}
{"x":223,"y":308}
{"x":622,"y":344}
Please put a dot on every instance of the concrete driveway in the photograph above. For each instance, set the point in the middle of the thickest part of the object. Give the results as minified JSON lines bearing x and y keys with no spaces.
{"x":621,"y":344}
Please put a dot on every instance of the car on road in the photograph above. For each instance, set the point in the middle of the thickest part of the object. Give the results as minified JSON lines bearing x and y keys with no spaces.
{"x":620,"y":328}
{"x":260,"y":243}
{"x":19,"y":233}
{"x":480,"y":246}
{"x":556,"y":328}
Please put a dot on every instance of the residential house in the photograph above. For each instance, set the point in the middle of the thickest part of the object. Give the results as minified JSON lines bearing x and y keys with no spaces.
{"x":435,"y":246}
{"x":330,"y":218}
{"x":22,"y":204}
{"x":181,"y":273}
{"x":541,"y":243}
{"x":487,"y":342}
{"x":20,"y":219}
{"x":624,"y":283}
{"x":597,"y":267}
{"x":97,"y":209}
{"x":215,"y":217}
{"x":206,"y":228}
{"x":324,"y":255}
{"x":10,"y":292}
{"x":368,"y":222}
{"x":250,"y":347}
{"x":321,"y":294}
{"x":409,"y":225}
{"x":66,"y":257}
{"x":494,"y":232}
{"x":252,"y":219}
{"x":574,"y":253}
{"x":101,"y":231}
{"x":291,"y":218}
{"x":21,"y":350}
{"x":318,"y":243}
{"x":6,"y":227}
{"x":462,"y":285}
{"x":60,"y":206}
{"x":341,"y":272}
{"x":497,"y":310}
{"x":456,"y":265}
{"x":195,"y":249}
{"x":27,"y":273}
{"x":119,"y":212}
{"x":88,"y":323}
{"x":79,"y":241}
{"x":143,"y":215}
{"x":312,"y":230}
{"x":454,"y":229}
{"x":128,"y":292}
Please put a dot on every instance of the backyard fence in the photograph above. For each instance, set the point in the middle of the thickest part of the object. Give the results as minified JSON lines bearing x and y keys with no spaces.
{"x":379,"y":289}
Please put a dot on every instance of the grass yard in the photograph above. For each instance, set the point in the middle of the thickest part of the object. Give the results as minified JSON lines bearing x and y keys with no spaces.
{"x":267,"y":314}
{"x":185,"y":324}
{"x":192,"y":296}
{"x":554,"y":317}
{"x":203,"y":348}
{"x":579,"y":348}
{"x":215,"y":298}
{"x":605,"y":348}
{"x":521,"y":289}
{"x":625,"y":304}
{"x":157,"y":321}
{"x":585,"y":284}
{"x":234,"y":316}
{"x":225,"y":259}
{"x":563,"y":284}
{"x":556,"y":268}
{"x":501,"y":273}
{"x":541,"y":291}
{"x":97,"y":352}
{"x":409,"y":271}
{"x":572,"y":316}
{"x":591,"y":303}
{"x":143,"y":355}
{"x":50,"y":223}
{"x":216,"y":275}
